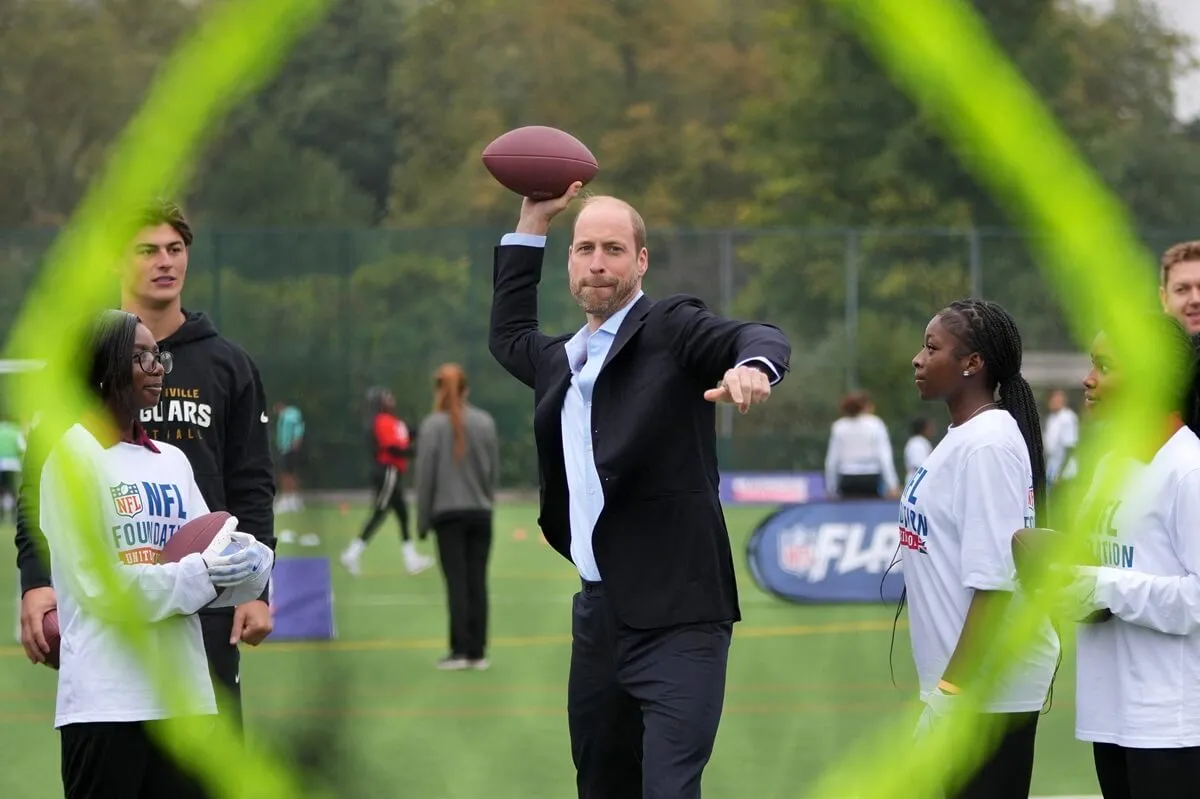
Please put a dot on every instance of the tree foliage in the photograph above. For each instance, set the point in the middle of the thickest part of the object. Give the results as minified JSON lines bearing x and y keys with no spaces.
{"x":347,"y":223}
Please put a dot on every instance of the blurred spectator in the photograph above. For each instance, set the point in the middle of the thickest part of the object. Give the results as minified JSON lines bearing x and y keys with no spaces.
{"x":859,"y":460}
{"x":918,"y":447}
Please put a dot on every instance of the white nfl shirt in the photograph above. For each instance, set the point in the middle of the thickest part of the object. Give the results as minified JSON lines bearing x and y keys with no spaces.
{"x":144,"y":497}
{"x":1061,"y":436}
{"x":1138,"y":674}
{"x":958,"y":514}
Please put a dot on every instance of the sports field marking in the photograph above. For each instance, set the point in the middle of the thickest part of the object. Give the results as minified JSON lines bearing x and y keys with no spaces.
{"x":423,"y":600}
{"x":507,"y":712}
{"x":395,"y":644}
{"x":834,"y":628}
{"x":456,"y":686}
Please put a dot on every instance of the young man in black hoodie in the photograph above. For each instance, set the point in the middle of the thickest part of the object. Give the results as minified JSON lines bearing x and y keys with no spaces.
{"x":213,"y":408}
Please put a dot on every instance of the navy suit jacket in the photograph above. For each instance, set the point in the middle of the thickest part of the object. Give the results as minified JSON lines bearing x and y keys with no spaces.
{"x":661,"y":542}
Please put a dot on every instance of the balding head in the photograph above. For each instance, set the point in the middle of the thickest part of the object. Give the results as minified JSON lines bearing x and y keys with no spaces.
{"x":611,"y":207}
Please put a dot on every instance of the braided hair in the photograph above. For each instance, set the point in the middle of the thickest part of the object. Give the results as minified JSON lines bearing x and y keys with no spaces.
{"x":988,"y":329}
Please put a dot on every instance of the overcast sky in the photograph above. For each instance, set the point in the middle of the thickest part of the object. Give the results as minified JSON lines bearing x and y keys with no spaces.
{"x":1184,"y":15}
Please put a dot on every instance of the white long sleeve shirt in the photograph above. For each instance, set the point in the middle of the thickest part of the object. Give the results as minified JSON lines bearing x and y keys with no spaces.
{"x":859,"y":445}
{"x":144,"y":497}
{"x":1138,"y":674}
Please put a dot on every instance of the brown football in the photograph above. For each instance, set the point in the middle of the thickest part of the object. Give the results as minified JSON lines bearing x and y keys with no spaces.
{"x":539,"y":162}
{"x":193,"y":537}
{"x":1031,"y":550}
{"x":53,"y":636}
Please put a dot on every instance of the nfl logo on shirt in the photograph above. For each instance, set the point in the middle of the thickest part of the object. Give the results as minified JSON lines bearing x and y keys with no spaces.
{"x":127,"y":499}
{"x":1030,"y":510}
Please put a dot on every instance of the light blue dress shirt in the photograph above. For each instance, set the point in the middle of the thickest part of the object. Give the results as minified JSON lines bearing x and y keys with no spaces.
{"x":586,"y":352}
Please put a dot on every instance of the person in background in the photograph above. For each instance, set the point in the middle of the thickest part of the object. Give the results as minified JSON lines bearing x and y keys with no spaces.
{"x":458,"y":467}
{"x":389,"y":443}
{"x":12,"y":451}
{"x":1061,"y":438}
{"x":289,"y":442}
{"x":1179,"y":284}
{"x":918,"y":446}
{"x":858,"y":462}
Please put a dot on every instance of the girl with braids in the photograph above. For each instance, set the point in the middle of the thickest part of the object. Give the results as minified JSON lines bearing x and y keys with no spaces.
{"x":458,"y":468}
{"x":958,"y":514}
{"x":1138,"y":668}
{"x":390,"y":448}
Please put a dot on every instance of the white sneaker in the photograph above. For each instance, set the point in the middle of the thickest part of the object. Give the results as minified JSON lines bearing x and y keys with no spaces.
{"x":351,"y":563}
{"x":310,"y":540}
{"x":453,"y":663}
{"x":418,"y":564}
{"x":287,"y":537}
{"x":481,"y":664}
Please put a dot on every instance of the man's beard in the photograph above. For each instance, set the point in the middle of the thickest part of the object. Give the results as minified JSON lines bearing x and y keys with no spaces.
{"x":604,"y":306}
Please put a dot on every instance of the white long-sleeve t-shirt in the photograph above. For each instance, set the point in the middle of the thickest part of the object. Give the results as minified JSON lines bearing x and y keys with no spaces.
{"x":144,"y":497}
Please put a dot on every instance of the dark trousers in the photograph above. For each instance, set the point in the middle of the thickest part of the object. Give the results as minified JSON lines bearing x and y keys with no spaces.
{"x":859,"y":486}
{"x":111,"y":760}
{"x":1008,"y":771}
{"x":389,"y":496}
{"x":1126,"y":773}
{"x":464,"y":543}
{"x":224,"y":665}
{"x":642,"y":705}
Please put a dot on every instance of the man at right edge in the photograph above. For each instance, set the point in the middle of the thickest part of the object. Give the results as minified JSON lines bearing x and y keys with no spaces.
{"x":625,"y":427}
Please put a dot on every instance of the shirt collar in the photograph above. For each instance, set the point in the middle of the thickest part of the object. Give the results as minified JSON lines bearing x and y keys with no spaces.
{"x":576,"y":347}
{"x":102,"y":430}
{"x":140,"y":438}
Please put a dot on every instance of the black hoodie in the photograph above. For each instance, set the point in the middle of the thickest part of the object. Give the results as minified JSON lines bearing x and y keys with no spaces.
{"x":213,"y":408}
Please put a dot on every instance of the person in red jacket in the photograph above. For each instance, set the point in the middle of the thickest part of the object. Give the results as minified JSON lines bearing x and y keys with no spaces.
{"x":390,"y":447}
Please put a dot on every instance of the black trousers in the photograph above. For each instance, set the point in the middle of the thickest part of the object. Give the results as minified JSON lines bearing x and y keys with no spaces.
{"x":120,"y":760}
{"x":389,"y":496}
{"x":859,"y":486}
{"x":1008,"y":772}
{"x":464,"y":543}
{"x":224,"y":665}
{"x":1126,"y":773}
{"x":643,"y":706}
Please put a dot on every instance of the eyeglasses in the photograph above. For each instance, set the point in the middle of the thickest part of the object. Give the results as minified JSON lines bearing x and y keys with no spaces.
{"x":146,"y":359}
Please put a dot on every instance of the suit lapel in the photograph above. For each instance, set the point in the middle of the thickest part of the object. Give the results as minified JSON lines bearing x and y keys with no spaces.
{"x":549,"y":407}
{"x":633,"y":323}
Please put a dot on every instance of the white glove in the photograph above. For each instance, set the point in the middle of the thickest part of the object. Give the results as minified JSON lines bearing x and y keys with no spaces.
{"x":1074,"y":594}
{"x":261,"y":560}
{"x":938,"y":705}
{"x":228,"y":558}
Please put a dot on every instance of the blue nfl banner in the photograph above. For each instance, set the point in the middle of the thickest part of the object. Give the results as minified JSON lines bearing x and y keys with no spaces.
{"x":829,"y":552}
{"x":301,"y":599}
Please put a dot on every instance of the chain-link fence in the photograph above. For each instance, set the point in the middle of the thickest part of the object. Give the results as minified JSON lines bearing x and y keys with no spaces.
{"x":327,"y":313}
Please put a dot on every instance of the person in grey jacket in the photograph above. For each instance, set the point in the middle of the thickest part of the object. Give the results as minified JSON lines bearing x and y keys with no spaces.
{"x":458,"y":465}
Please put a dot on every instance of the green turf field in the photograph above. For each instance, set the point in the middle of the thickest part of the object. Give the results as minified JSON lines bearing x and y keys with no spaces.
{"x":803,"y":682}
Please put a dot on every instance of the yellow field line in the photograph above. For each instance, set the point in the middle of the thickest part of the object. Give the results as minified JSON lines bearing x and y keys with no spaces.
{"x":407,"y":644}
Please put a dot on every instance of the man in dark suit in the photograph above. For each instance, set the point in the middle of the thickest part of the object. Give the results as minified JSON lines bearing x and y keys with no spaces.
{"x":624,"y":422}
